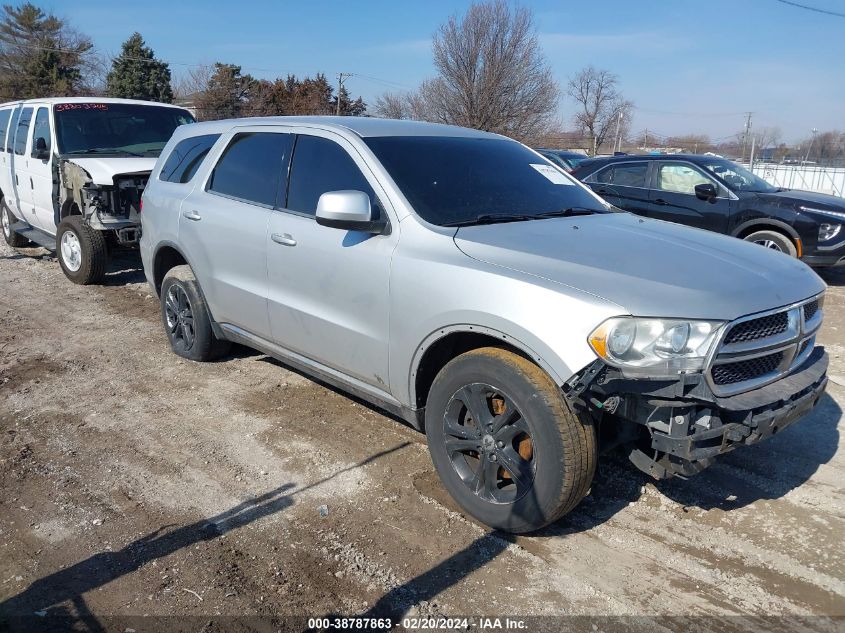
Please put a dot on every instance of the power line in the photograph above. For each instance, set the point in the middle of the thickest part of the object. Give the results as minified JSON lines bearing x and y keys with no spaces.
{"x":809,"y":8}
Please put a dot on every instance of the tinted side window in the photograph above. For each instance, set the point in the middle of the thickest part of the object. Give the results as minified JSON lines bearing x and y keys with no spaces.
{"x":21,"y":131}
{"x":41,"y":128}
{"x":624,"y":175}
{"x":186,"y":158}
{"x":320,"y":165}
{"x":251,"y":167}
{"x":4,"y":125}
{"x":679,"y":178}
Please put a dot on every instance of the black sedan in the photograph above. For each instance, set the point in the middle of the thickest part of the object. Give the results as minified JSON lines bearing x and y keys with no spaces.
{"x":712,"y":193}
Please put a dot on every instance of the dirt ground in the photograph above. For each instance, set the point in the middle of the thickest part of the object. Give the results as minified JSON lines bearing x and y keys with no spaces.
{"x":135,"y":483}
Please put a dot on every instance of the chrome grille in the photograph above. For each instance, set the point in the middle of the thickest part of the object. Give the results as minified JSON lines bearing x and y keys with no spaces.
{"x":740,"y":371}
{"x":810,"y":309}
{"x":760,"y":348}
{"x":754,"y":329}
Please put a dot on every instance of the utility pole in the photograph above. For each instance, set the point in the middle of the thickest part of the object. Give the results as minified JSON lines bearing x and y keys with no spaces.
{"x":340,"y":79}
{"x":814,"y":131}
{"x":746,"y":134}
{"x":617,"y":140}
{"x":645,"y":140}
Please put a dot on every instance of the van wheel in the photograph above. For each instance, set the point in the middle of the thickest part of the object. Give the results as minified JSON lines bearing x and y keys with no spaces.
{"x":13,"y":239}
{"x":186,"y":319}
{"x":504,"y":442}
{"x":773,"y":240}
{"x":81,"y":251}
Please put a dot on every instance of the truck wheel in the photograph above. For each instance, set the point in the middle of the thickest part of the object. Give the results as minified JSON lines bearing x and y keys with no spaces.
{"x":774,"y":240}
{"x":505,"y":444}
{"x":186,"y":318}
{"x":15,"y":240}
{"x":81,"y":251}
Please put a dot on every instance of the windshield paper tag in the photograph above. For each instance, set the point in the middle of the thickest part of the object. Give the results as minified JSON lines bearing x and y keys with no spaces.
{"x":552,"y":174}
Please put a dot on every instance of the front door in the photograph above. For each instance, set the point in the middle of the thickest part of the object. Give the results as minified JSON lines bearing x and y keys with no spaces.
{"x":223,"y":226}
{"x":673,"y":197}
{"x":329,"y":288}
{"x":41,"y":172}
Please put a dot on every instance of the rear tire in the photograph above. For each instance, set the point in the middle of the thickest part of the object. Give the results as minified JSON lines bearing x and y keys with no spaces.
{"x":13,"y":239}
{"x":773,"y":240}
{"x":504,"y":442}
{"x":81,"y":251}
{"x":186,"y":319}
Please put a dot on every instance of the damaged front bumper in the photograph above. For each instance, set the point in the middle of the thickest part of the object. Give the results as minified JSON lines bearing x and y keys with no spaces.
{"x":686,"y":426}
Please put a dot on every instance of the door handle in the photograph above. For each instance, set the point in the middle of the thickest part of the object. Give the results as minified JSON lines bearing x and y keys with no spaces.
{"x":284,"y":239}
{"x":661,"y":202}
{"x":191,"y":215}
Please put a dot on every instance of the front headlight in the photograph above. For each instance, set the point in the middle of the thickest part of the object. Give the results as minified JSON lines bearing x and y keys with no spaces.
{"x":828,"y":231}
{"x":655,"y":347}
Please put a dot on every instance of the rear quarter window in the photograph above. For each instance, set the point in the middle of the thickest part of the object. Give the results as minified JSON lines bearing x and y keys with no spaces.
{"x":186,"y":158}
{"x":4,"y":125}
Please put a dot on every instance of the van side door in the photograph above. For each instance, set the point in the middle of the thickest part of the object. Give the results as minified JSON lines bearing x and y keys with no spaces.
{"x":6,"y":175}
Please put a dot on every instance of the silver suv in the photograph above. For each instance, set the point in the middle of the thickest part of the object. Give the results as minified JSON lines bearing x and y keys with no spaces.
{"x":462,"y":282}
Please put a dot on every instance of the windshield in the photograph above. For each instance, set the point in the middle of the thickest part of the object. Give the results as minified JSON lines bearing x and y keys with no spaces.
{"x":455,"y":180}
{"x":738,"y":178}
{"x":116,"y":128}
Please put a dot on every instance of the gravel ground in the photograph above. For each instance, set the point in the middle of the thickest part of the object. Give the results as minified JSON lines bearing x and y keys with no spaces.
{"x":135,"y":483}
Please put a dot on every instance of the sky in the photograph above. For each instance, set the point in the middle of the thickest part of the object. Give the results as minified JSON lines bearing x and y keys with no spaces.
{"x":688,"y":66}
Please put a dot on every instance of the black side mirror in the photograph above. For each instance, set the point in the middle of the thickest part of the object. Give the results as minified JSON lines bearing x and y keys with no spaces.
{"x":706,"y":191}
{"x":40,"y":151}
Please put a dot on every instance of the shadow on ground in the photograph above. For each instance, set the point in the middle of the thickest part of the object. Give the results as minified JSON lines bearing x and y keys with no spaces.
{"x":59,"y":597}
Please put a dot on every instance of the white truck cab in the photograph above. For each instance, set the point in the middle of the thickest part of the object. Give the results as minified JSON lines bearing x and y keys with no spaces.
{"x":72,"y":171}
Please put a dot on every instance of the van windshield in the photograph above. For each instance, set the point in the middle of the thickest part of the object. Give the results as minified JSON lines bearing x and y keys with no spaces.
{"x":454,"y":181}
{"x":116,"y":128}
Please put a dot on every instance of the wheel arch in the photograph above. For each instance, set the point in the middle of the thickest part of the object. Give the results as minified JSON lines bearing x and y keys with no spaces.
{"x":762,"y":224}
{"x":446,"y":343}
{"x":167,"y":256}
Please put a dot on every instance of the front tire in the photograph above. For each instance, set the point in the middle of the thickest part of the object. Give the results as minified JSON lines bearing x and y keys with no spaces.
{"x":81,"y":251}
{"x":13,"y":239}
{"x":773,"y":240}
{"x":505,"y":444}
{"x":186,"y":319}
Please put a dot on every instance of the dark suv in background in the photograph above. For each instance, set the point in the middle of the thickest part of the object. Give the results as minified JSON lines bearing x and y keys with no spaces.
{"x":716,"y":194}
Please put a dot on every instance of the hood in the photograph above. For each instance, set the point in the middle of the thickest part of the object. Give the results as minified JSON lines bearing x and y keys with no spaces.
{"x":796,"y":199}
{"x":649,"y":267}
{"x":104,"y":169}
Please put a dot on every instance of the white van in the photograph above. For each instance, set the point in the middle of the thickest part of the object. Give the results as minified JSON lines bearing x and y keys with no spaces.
{"x":72,"y":171}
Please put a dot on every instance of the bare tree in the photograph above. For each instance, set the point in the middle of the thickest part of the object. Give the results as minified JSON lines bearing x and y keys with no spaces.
{"x":194,"y":81}
{"x":391,"y":105}
{"x":599,"y":104}
{"x":491,"y":74}
{"x":766,"y":137}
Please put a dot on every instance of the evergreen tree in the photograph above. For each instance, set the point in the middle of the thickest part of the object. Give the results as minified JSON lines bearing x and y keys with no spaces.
{"x":227,"y":93}
{"x":40,"y":55}
{"x":137,"y":74}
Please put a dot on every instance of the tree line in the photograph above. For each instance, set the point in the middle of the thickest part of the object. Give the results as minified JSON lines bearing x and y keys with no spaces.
{"x":41,"y":55}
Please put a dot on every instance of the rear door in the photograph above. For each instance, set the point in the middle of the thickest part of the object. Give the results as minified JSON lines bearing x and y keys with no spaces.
{"x":623,"y":184}
{"x":223,"y":225}
{"x":673,"y":198}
